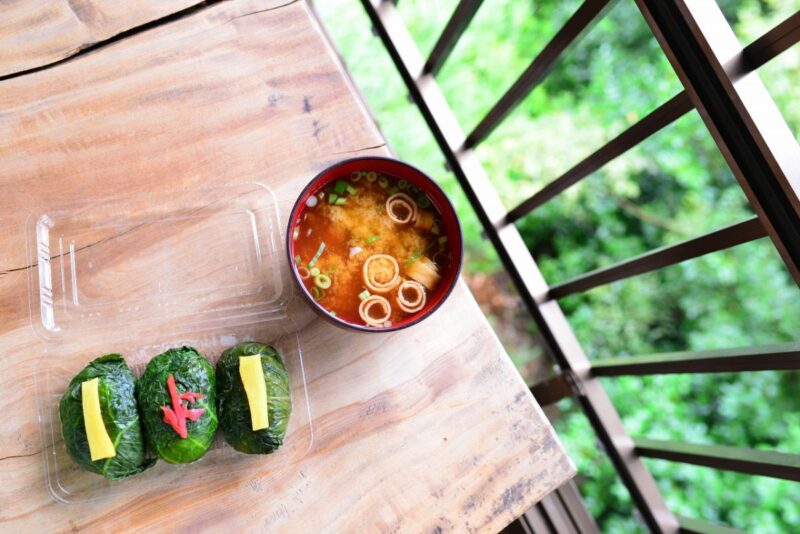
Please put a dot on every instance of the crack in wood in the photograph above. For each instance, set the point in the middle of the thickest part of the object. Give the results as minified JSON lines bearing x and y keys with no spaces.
{"x":360,"y":149}
{"x":77,"y":249}
{"x":87,"y":48}
{"x":112,"y":237}
{"x":261,"y":11}
{"x":34,"y":453}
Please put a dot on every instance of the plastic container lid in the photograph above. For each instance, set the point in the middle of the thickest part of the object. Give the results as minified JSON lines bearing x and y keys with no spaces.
{"x":212,"y":254}
{"x":140,"y":274}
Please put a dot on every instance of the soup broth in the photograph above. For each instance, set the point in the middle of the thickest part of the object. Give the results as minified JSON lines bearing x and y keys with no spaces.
{"x":370,"y":248}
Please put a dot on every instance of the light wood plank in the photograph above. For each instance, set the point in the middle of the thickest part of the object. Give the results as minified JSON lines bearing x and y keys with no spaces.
{"x":34,"y":33}
{"x":426,"y":428}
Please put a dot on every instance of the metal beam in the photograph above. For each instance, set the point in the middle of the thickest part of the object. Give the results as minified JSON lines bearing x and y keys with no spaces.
{"x":721,"y":239}
{"x":574,"y":505}
{"x":762,"y":358}
{"x":462,"y":16}
{"x":587,"y":14}
{"x":534,"y":522}
{"x":661,"y":117}
{"x":552,"y":390}
{"x":698,"y":526}
{"x":557,"y":516}
{"x":756,"y":54}
{"x":748,"y":461}
{"x":774,"y":42}
{"x":738,"y":111}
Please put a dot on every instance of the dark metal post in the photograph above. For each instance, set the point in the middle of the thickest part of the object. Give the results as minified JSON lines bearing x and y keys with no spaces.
{"x":738,"y":111}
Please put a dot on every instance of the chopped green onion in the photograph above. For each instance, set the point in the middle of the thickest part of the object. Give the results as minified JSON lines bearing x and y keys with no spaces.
{"x":341,"y":201}
{"x":332,"y":198}
{"x":352,"y":190}
{"x":363,"y":295}
{"x":424,"y":202}
{"x":372,"y":239}
{"x":297,"y":259}
{"x":332,"y":313}
{"x":402,"y":184}
{"x":435,"y":230}
{"x":443,"y":239}
{"x":317,"y":255}
{"x":322,"y":281}
{"x":295,"y":233}
{"x":414,"y":256}
{"x":314,"y":271}
{"x":393,"y":191}
{"x":372,"y":176}
{"x":383,"y":182}
{"x":317,"y":293}
{"x":355,"y":176}
{"x":340,"y":187}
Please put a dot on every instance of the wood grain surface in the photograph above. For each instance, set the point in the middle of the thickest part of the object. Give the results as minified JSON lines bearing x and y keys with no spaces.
{"x":34,"y":33}
{"x":430,"y":429}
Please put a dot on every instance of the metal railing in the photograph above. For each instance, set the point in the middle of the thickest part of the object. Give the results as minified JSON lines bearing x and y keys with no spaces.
{"x":719,"y":80}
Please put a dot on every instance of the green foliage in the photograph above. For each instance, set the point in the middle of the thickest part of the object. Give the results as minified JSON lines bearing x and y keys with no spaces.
{"x":234,"y":408}
{"x":193,"y":373}
{"x":116,"y":389}
{"x":673,"y":186}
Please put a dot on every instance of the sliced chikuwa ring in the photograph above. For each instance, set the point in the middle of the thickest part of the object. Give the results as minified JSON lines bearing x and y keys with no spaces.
{"x":375,"y":310}
{"x":401,"y":208}
{"x":410,"y":296}
{"x":381,"y":273}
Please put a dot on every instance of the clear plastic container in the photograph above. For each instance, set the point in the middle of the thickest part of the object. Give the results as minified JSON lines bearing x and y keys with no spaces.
{"x":142,"y":274}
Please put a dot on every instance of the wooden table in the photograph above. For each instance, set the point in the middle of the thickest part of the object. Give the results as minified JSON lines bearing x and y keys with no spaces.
{"x":434,"y":432}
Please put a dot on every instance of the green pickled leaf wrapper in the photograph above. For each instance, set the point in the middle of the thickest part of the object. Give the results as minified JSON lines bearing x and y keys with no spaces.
{"x":193,"y":373}
{"x":117,"y":392}
{"x":234,"y":409}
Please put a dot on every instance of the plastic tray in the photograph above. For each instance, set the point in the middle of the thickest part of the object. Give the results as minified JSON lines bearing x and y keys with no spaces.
{"x":142,"y":274}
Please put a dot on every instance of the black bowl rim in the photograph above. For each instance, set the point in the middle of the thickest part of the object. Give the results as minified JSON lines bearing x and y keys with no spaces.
{"x":317,"y":307}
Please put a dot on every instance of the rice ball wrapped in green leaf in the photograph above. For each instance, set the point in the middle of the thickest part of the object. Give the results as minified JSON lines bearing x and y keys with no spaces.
{"x":177,"y":395}
{"x":110,"y":391}
{"x":235,"y":417}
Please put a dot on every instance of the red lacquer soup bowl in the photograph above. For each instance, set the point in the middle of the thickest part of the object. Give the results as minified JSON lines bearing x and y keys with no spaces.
{"x":450,"y":239}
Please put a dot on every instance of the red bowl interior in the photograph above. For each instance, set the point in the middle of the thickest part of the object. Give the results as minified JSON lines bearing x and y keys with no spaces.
{"x":401,"y":171}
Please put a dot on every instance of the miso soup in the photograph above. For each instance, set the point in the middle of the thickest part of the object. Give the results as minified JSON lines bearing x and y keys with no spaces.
{"x":371,"y":249}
